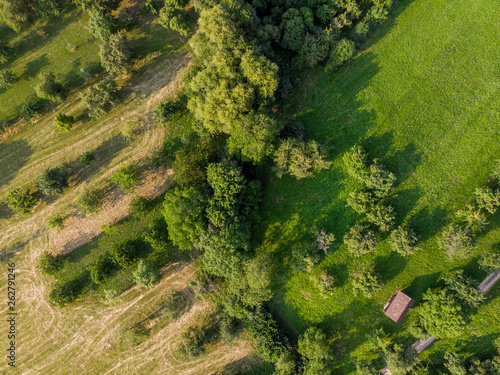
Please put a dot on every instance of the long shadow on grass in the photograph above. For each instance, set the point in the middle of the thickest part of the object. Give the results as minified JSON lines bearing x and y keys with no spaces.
{"x":13,"y":156}
{"x":390,"y":266}
{"x":427,"y":223}
{"x":420,"y":285}
{"x":247,"y":366}
{"x":34,"y":67}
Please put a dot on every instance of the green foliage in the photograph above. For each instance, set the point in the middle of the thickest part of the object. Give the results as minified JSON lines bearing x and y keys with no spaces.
{"x":65,"y":292}
{"x":6,"y":51}
{"x":56,"y":221}
{"x":98,"y":5}
{"x":157,"y":235}
{"x":99,"y":98}
{"x":125,"y":177}
{"x":400,"y":361}
{"x":46,"y":8}
{"x":7,"y":78}
{"x":126,"y":253}
{"x":341,"y":52}
{"x":360,"y":31}
{"x":146,"y":275}
{"x":139,"y":207}
{"x":454,"y":364}
{"x":361,"y":240}
{"x":126,"y":17}
{"x":184,"y":211}
{"x":463,"y":288}
{"x":304,"y":257}
{"x":90,"y":200}
{"x":191,"y":343}
{"x":49,"y":264}
{"x":294,"y":25}
{"x":151,"y":6}
{"x":30,"y":110}
{"x":20,"y":201}
{"x":382,"y":216}
{"x":87,"y":158}
{"x":102,"y":24}
{"x":253,"y":136}
{"x":366,"y":282}
{"x":324,"y":282}
{"x":404,"y":241}
{"x":473,"y":218}
{"x":379,"y":180}
{"x":101,"y":269}
{"x":456,"y":241}
{"x":165,"y":110}
{"x":366,"y":370}
{"x":228,"y":328}
{"x":323,"y":240}
{"x":286,"y":364}
{"x":47,"y":87}
{"x":52,"y":182}
{"x":299,"y":158}
{"x":313,"y":51}
{"x":495,"y":171}
{"x":115,"y":54}
{"x":175,"y":19}
{"x":14,"y":13}
{"x":490,"y":262}
{"x":190,"y":165}
{"x":313,"y":345}
{"x":487,"y":199}
{"x":355,"y":162}
{"x":173,"y":306}
{"x":64,"y":122}
{"x":361,"y":201}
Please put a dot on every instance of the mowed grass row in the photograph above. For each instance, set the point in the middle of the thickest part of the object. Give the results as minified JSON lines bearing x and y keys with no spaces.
{"x":423,"y":97}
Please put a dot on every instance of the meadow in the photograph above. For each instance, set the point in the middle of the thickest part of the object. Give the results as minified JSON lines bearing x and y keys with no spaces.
{"x":422,"y":97}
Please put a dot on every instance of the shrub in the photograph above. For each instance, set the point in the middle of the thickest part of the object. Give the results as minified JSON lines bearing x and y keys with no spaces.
{"x":361,"y":240}
{"x":102,"y":24}
{"x":46,"y":8}
{"x":165,"y":110}
{"x":366,"y":282}
{"x":190,"y":166}
{"x":49,"y":263}
{"x":151,"y":6}
{"x":126,"y":17}
{"x":52,"y":182}
{"x":342,"y":51}
{"x":403,"y":241}
{"x":173,"y":306}
{"x":30,"y":109}
{"x":56,"y":221}
{"x":101,"y":269}
{"x":495,"y":172}
{"x":48,"y":88}
{"x":490,"y":262}
{"x":473,"y":218}
{"x":64,"y":122}
{"x":126,"y":253}
{"x":19,"y":201}
{"x":299,"y":158}
{"x":125,"y":177}
{"x":355,"y":162}
{"x":361,"y":201}
{"x":115,"y":55}
{"x":157,"y":235}
{"x":65,"y":292}
{"x":87,"y":158}
{"x":456,"y":241}
{"x":191,"y":345}
{"x":146,"y":275}
{"x":383,"y":217}
{"x":99,"y":98}
{"x":379,"y":180}
{"x":7,"y":78}
{"x":487,"y":199}
{"x":90,"y":201}
{"x":138,"y":207}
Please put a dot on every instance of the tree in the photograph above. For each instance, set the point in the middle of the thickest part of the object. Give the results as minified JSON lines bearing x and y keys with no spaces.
{"x":382,"y":216}
{"x":7,"y":78}
{"x":323,"y":240}
{"x":139,"y":207}
{"x":99,"y":98}
{"x":56,"y":221}
{"x":299,"y":158}
{"x":463,"y":288}
{"x":146,"y":275}
{"x":20,"y":201}
{"x":366,"y":282}
{"x":355,"y":162}
{"x":115,"y":55}
{"x":473,"y":218}
{"x":456,"y":241}
{"x":190,"y":165}
{"x":191,"y":343}
{"x":52,"y":182}
{"x":175,"y":19}
{"x":65,"y":292}
{"x":157,"y":235}
{"x":313,"y":345}
{"x":184,"y":212}
{"x":46,"y":8}
{"x":361,"y":201}
{"x":14,"y":13}
{"x":304,"y":257}
{"x":490,"y":262}
{"x":126,"y":17}
{"x":165,"y":110}
{"x":343,"y":50}
{"x":90,"y":200}
{"x":294,"y":25}
{"x":87,"y":158}
{"x":454,"y":364}
{"x":49,"y":263}
{"x":101,"y":269}
{"x":286,"y":364}
{"x":64,"y":122}
{"x":400,"y":361}
{"x":379,"y":180}
{"x":48,"y":88}
{"x":102,"y":24}
{"x":126,"y":253}
{"x":253,"y":136}
{"x":361,"y":240}
{"x":404,"y":241}
{"x":313,"y":51}
{"x":487,"y":199}
{"x":125,"y":177}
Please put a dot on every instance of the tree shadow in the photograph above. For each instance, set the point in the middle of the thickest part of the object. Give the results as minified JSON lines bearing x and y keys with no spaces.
{"x":33,"y":67}
{"x":427,"y":223}
{"x":421,"y":284}
{"x":247,"y":365}
{"x":403,"y":202}
{"x":13,"y":156}
{"x":5,"y":211}
{"x":481,"y":347}
{"x":340,"y":272}
{"x":390,"y":266}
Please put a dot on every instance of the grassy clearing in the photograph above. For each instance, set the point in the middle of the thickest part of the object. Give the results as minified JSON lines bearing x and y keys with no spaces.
{"x":423,"y":98}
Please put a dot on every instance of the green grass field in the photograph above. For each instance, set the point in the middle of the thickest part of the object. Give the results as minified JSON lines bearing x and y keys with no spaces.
{"x":423,"y":97}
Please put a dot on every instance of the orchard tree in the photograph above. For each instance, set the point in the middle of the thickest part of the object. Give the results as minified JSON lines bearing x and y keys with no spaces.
{"x":341,"y":52}
{"x":125,"y":177}
{"x":46,"y":8}
{"x":146,"y":275}
{"x":403,"y":241}
{"x":99,"y":98}
{"x":52,"y":182}
{"x":115,"y":54}
{"x":7,"y":78}
{"x":21,"y":201}
{"x":457,"y":241}
{"x":366,"y":282}
{"x":361,"y":201}
{"x":102,"y":24}
{"x":487,"y":199}
{"x":48,"y":88}
{"x":101,"y":269}
{"x":361,"y":240}
{"x":490,"y":262}
{"x":382,"y":216}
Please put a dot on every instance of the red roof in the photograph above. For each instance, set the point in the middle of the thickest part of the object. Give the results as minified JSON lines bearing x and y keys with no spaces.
{"x":398,"y":306}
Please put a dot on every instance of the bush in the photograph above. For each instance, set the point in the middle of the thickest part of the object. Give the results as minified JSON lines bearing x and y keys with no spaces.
{"x":125,"y":177}
{"x":7,"y":78}
{"x":90,"y":201}
{"x":30,"y":109}
{"x":151,"y":6}
{"x":46,"y":8}
{"x":487,"y":199}
{"x":49,"y":264}
{"x":191,"y":345}
{"x":99,"y":98}
{"x":126,"y":253}
{"x":403,"y":241}
{"x":165,"y":110}
{"x":138,"y":207}
{"x":87,"y":158}
{"x":102,"y":24}
{"x":19,"y":201}
{"x":456,"y":241}
{"x":65,"y":292}
{"x":48,"y":88}
{"x":379,"y":180}
{"x":473,"y":218}
{"x":101,"y":269}
{"x":383,"y":217}
{"x":173,"y":306}
{"x":490,"y":262}
{"x":126,"y":17}
{"x":146,"y":275}
{"x":64,"y":122}
{"x":361,"y":240}
{"x":157,"y":235}
{"x":190,"y":166}
{"x":342,"y":51}
{"x":56,"y":221}
{"x":52,"y":182}
{"x":115,"y":55}
{"x":366,"y":282}
{"x":361,"y":201}
{"x":299,"y":158}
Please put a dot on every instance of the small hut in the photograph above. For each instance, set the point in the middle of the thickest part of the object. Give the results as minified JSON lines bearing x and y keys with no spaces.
{"x":398,"y":306}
